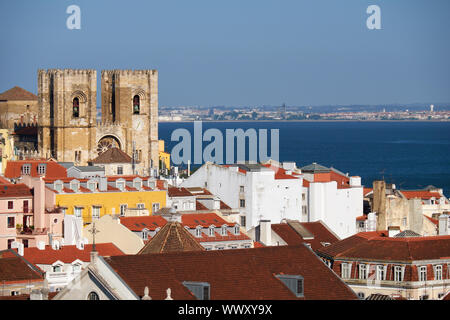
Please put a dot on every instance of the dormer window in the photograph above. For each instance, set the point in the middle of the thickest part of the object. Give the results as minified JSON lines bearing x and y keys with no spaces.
{"x":58,"y":186}
{"x":41,"y":169}
{"x":57,"y":267}
{"x":201,"y":290}
{"x":224,"y":230}
{"x":137,"y":184}
{"x":92,"y":185}
{"x":74,"y":185}
{"x":236,"y":229}
{"x":120,"y":185}
{"x":293,"y":282}
{"x":198,"y":232}
{"x":211,"y":231}
{"x":26,"y":169}
{"x":76,"y":267}
{"x":145,"y":234}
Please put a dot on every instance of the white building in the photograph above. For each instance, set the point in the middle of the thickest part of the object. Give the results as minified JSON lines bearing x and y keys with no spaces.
{"x":256,"y":190}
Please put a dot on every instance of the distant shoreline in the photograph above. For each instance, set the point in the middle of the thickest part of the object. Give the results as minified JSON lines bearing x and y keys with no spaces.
{"x":181,"y":121}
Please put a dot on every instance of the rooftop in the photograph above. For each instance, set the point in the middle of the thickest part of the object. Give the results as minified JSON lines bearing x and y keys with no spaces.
{"x":17,"y":93}
{"x":113,"y":155}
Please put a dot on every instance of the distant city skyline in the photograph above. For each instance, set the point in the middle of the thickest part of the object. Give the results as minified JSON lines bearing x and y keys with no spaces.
{"x":240,"y":53}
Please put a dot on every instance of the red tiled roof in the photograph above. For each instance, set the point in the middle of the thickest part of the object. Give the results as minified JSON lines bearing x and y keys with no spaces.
{"x":424,"y":195}
{"x":361,"y":218}
{"x":15,"y":190}
{"x":306,"y":183}
{"x":435,"y":221}
{"x":367,"y":191}
{"x":319,"y":231}
{"x":203,"y":219}
{"x":4,"y":181}
{"x":224,"y":206}
{"x":241,"y":274}
{"x":139,"y":223}
{"x":257,"y":244}
{"x":113,"y":155}
{"x":179,"y":192}
{"x":280,"y":173}
{"x":17,"y":93}
{"x":68,"y":254}
{"x":218,"y":237}
{"x":14,"y":269}
{"x":124,"y":177}
{"x":370,"y":245}
{"x":199,"y":206}
{"x":160,"y":184}
{"x":53,"y":169}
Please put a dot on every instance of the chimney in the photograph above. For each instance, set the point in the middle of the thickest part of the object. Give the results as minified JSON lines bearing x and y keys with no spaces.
{"x":379,"y":203}
{"x":103,"y":184}
{"x":393,"y":231}
{"x":41,"y":245}
{"x":355,"y":181}
{"x":265,"y":232}
{"x":39,"y":202}
{"x":19,"y":246}
{"x":444,"y":225}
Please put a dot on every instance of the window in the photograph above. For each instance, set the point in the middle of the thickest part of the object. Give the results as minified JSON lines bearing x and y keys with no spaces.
{"x":93,"y":296}
{"x":74,"y":185}
{"x":25,"y":243}
{"x":224,"y":230}
{"x":398,"y":273}
{"x":57,"y":268}
{"x":422,"y":273}
{"x":11,"y":222}
{"x":438,"y":272}
{"x":120,"y":185}
{"x":198,"y":232}
{"x":123,"y":208}
{"x":363,"y":271}
{"x":10,"y":205}
{"x":201,"y":290}
{"x":58,"y":186}
{"x":381,"y":272}
{"x":76,"y":267}
{"x":138,"y":184}
{"x":26,"y":168}
{"x":237,"y":230}
{"x":136,"y":104}
{"x":77,"y":211}
{"x":10,"y":241}
{"x":155,"y":207}
{"x":25,"y":206}
{"x":91,"y":186}
{"x":440,"y":295}
{"x":141,"y":205}
{"x":361,"y":295}
{"x":346,"y":269}
{"x":15,"y":293}
{"x":77,"y":156}
{"x":145,"y":234}
{"x":241,"y":189}
{"x":404,"y":221}
{"x":95,"y":212}
{"x":243,"y":221}
{"x":41,"y":169}
{"x":211,"y":231}
{"x":424,"y":297}
{"x":75,"y":108}
{"x":293,"y":282}
{"x":242,"y":203}
{"x":119,"y":170}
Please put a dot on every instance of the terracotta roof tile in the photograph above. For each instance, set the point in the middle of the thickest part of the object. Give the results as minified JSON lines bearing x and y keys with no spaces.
{"x":179,"y":192}
{"x":139,"y":223}
{"x":53,"y":169}
{"x":113,"y":155}
{"x":15,"y":190}
{"x":241,"y":274}
{"x":68,"y":254}
{"x":14,"y":269}
{"x":422,"y":194}
{"x":17,"y":93}
{"x":203,"y":219}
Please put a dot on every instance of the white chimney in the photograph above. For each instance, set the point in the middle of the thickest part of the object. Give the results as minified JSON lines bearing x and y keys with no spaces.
{"x":41,"y":245}
{"x":56,"y":245}
{"x":444,"y":224}
{"x":355,"y":181}
{"x":393,"y":231}
{"x":265,"y":232}
{"x":80,"y":245}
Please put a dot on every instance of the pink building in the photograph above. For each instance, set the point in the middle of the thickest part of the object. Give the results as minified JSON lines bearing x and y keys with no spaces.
{"x":28,"y":214}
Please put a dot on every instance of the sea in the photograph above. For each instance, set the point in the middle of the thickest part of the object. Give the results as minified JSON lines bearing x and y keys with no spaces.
{"x":410,"y":154}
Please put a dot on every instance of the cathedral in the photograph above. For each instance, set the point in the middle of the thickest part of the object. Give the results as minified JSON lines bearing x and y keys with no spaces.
{"x":69,"y":130}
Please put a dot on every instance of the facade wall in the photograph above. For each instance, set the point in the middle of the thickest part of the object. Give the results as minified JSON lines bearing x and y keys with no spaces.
{"x":18,"y":111}
{"x":337,"y":208}
{"x":109,"y":201}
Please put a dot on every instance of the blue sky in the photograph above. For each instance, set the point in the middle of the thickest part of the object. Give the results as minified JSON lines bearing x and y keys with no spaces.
{"x":240,"y":52}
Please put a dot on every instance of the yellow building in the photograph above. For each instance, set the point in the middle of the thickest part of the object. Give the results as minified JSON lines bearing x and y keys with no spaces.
{"x":6,"y":149}
{"x":96,"y":197}
{"x":164,"y":157}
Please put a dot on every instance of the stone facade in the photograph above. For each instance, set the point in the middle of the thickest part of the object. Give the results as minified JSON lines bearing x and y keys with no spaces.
{"x":68,"y":126}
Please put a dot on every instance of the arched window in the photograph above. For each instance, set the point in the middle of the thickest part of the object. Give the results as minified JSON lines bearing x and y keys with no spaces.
{"x":136,"y":104}
{"x":76,"y":108}
{"x":93,"y":296}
